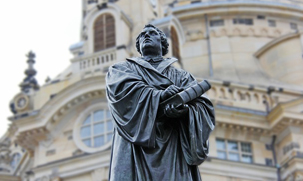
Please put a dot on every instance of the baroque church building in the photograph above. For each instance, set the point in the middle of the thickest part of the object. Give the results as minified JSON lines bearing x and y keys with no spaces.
{"x":249,"y":50}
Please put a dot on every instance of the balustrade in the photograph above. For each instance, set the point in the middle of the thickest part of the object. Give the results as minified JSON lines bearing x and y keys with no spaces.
{"x":240,"y":96}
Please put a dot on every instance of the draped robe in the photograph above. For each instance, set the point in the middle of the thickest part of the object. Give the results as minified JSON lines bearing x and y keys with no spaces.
{"x":146,"y":147}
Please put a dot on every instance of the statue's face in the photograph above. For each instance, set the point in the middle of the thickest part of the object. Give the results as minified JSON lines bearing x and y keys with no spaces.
{"x":150,"y":41}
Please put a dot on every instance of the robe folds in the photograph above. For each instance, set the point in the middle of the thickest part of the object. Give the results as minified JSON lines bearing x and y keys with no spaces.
{"x":146,"y":147}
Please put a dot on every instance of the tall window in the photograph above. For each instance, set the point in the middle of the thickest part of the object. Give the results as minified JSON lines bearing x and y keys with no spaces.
{"x":233,"y":150}
{"x":104,"y":32}
{"x":97,"y":129}
{"x":175,"y":44}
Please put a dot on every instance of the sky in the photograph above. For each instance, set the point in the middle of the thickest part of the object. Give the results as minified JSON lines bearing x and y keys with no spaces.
{"x":47,"y":28}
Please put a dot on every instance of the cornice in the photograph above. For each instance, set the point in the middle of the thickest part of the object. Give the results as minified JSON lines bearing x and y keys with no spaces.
{"x":238,"y":6}
{"x":101,"y":155}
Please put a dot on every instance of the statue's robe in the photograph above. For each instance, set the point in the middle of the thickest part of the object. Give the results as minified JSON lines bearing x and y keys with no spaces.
{"x":146,"y":147}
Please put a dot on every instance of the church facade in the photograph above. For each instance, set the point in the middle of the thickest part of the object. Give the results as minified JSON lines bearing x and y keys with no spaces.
{"x":249,"y":50}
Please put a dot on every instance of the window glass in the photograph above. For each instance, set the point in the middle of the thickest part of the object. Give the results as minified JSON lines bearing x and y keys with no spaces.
{"x":272,"y":23}
{"x":109,"y":136}
{"x":221,"y":154}
{"x":99,"y":141}
{"x":232,"y":145}
{"x":98,"y":116}
{"x":293,"y":26}
{"x":245,"y":21}
{"x":110,"y":125}
{"x":108,"y":115}
{"x":85,"y":132}
{"x":233,"y":156}
{"x":246,"y":158}
{"x":219,"y":22}
{"x":220,"y":144}
{"x":87,"y":121}
{"x":245,"y":147}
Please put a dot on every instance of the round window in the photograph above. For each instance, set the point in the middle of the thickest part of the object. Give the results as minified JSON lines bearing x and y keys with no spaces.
{"x":97,"y":129}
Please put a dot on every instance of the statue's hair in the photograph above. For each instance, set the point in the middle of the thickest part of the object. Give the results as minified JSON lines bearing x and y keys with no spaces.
{"x":164,"y":42}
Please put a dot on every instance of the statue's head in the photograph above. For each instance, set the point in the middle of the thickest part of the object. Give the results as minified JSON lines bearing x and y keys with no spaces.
{"x":159,"y":36}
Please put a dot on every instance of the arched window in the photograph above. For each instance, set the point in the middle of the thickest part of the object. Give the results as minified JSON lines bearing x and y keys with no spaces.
{"x":175,"y":44}
{"x":97,"y":129}
{"x":104,"y":32}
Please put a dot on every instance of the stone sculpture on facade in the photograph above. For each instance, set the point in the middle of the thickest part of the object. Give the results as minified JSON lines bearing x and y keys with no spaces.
{"x":147,"y":146}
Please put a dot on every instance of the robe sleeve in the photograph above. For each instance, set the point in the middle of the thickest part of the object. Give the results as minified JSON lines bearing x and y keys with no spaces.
{"x":196,"y":127}
{"x":133,"y":104}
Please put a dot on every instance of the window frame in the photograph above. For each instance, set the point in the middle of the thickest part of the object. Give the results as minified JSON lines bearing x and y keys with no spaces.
{"x":78,"y":140}
{"x":239,"y":151}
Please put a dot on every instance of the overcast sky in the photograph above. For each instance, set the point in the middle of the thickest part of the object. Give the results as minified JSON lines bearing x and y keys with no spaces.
{"x":47,"y":28}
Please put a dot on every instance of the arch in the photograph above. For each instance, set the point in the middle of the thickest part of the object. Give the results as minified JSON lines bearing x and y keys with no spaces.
{"x":236,"y":32}
{"x":240,"y":96}
{"x":247,"y":97}
{"x":212,"y":93}
{"x":222,"y":93}
{"x":277,"y":33}
{"x":250,"y":32}
{"x":104,"y":32}
{"x":256,"y":98}
{"x":212,"y":33}
{"x":223,"y":32}
{"x":264,"y":32}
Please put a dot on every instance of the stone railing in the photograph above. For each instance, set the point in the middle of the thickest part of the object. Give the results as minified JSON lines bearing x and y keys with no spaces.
{"x":242,"y":96}
{"x":98,"y":63}
{"x":98,"y":59}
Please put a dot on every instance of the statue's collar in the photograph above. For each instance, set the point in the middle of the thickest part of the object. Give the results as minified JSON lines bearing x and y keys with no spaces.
{"x":155,"y":59}
{"x":161,"y":67}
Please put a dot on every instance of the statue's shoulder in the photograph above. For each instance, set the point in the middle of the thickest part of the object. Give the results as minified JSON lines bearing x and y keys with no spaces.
{"x":124,"y":63}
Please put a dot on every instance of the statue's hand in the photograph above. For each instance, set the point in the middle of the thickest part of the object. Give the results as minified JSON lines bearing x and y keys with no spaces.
{"x":170,"y":91}
{"x":172,"y":112}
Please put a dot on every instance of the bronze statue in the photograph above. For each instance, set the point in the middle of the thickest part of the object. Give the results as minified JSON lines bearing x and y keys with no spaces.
{"x":154,"y":141}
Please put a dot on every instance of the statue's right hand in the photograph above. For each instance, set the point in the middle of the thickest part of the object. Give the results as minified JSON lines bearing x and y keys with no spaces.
{"x":170,"y":91}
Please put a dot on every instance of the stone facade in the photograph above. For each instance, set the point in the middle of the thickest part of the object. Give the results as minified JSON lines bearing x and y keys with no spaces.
{"x":250,"y":51}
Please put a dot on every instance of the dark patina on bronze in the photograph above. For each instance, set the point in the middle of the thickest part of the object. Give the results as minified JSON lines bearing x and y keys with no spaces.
{"x":156,"y":139}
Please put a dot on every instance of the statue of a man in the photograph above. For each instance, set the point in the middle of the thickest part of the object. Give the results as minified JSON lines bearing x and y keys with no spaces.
{"x":146,"y":146}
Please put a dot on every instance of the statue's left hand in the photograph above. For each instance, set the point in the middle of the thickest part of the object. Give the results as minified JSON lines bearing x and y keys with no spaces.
{"x":172,"y":111}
